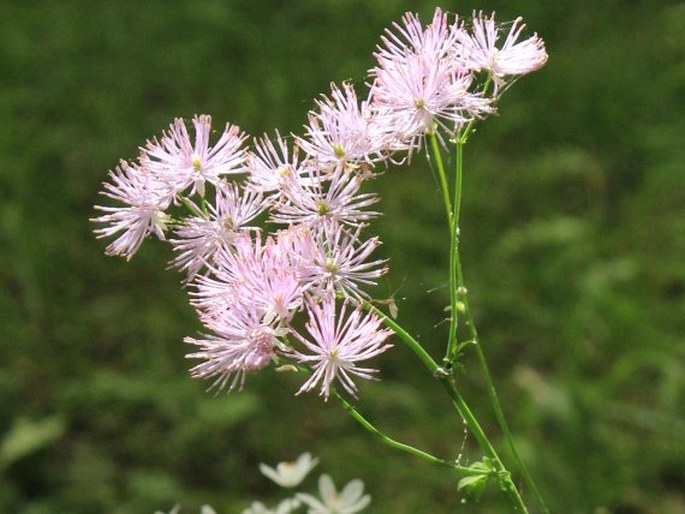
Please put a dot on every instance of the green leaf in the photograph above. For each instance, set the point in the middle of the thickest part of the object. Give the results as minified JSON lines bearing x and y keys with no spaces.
{"x":473,"y":486}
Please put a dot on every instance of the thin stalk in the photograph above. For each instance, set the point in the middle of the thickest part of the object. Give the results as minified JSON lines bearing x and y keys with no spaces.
{"x":352,"y":411}
{"x":412,"y":343}
{"x":494,"y":398}
{"x":452,"y":214}
{"x":504,"y":476}
{"x":457,"y":191}
{"x":458,"y":287}
{"x":444,"y":185}
{"x":190,"y":206}
{"x":454,"y":254}
{"x":460,"y":405}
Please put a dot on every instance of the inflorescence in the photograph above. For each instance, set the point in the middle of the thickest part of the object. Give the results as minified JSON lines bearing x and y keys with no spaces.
{"x":272,"y":238}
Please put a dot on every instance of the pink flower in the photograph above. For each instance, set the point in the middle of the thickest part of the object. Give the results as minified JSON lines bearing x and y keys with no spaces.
{"x":410,"y":38}
{"x":420,"y":85}
{"x":273,"y":164}
{"x":337,"y":261}
{"x":145,"y":201}
{"x":325,"y":196}
{"x":175,"y":159}
{"x":241,"y":342}
{"x":416,"y":96}
{"x":249,"y":273}
{"x":271,"y":280}
{"x":338,"y":132}
{"x":512,"y":58}
{"x":201,"y":236}
{"x":339,"y":342}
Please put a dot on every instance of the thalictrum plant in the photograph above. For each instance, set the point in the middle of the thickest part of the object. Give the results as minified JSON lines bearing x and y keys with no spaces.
{"x":272,"y":237}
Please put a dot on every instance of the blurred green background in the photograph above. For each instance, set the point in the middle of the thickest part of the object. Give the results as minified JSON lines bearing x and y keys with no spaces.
{"x":573,"y":240}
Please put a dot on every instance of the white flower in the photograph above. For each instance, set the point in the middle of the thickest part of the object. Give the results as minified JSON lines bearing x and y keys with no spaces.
{"x":290,"y":474}
{"x":350,"y":500}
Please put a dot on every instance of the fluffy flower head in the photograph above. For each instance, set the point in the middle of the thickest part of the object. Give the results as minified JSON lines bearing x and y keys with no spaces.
{"x":339,"y":342}
{"x":182,"y":162}
{"x":240,"y":342}
{"x":274,"y":164}
{"x":339,"y":134}
{"x":420,"y":84}
{"x":512,"y":58}
{"x":144,"y":202}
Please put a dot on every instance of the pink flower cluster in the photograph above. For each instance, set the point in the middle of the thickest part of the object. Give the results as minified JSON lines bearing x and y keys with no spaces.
{"x":275,"y":232}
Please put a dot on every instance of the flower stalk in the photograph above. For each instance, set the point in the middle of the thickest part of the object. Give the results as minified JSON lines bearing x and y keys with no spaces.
{"x":397,"y":445}
{"x":446,"y":380}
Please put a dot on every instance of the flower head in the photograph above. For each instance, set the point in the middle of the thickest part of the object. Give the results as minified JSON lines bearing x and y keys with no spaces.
{"x":241,"y":342}
{"x":200,"y":237}
{"x":420,"y":85}
{"x":415,"y":96}
{"x":339,"y":134}
{"x":262,"y":276}
{"x":144,"y":201}
{"x":273,"y":164}
{"x":339,"y":342}
{"x":512,"y":58}
{"x":337,"y":261}
{"x":409,"y":37}
{"x":325,"y":196}
{"x":181,"y":162}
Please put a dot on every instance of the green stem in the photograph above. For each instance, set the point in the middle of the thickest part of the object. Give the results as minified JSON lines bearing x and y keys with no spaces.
{"x":506,"y":482}
{"x":444,"y":185}
{"x":494,"y":397}
{"x":452,"y":214}
{"x":461,"y":407}
{"x":458,"y":287}
{"x":350,"y":409}
{"x":412,"y":343}
{"x":454,"y":255}
{"x":190,"y":206}
{"x":462,"y":296}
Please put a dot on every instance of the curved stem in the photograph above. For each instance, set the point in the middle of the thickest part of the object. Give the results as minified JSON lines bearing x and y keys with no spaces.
{"x":352,"y":411}
{"x":460,"y":405}
{"x":459,"y":289}
{"x":412,"y":343}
